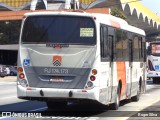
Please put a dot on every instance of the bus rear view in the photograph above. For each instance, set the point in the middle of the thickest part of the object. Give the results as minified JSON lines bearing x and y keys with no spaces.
{"x":56,"y":55}
{"x":76,"y":56}
{"x":153,"y":60}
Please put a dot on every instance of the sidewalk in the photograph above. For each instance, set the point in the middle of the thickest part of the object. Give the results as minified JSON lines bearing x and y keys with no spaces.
{"x":8,"y":79}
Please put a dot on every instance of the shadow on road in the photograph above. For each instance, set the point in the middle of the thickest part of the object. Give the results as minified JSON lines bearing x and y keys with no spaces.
{"x":22,"y":106}
{"x":70,"y":110}
{"x":83,"y":110}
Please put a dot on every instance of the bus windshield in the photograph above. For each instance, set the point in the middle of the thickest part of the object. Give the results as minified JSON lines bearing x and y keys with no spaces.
{"x":59,"y":30}
{"x":155,"y":49}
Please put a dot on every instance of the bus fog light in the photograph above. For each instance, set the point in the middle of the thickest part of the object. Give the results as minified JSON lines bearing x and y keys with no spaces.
{"x":89,"y":84}
{"x":23,"y":82}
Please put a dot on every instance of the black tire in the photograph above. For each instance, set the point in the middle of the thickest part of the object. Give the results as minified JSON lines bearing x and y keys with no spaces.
{"x":137,"y":97}
{"x":116,"y":104}
{"x":56,"y":104}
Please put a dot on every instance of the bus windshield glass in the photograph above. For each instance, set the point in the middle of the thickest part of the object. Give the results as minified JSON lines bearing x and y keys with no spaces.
{"x":59,"y":30}
{"x":155,"y":49}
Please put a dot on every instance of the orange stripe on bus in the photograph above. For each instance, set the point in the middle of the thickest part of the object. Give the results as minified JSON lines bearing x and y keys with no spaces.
{"x":121,"y":75}
{"x":115,"y":24}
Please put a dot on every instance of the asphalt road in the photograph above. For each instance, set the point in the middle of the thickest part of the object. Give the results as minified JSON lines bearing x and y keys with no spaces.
{"x":147,"y":108}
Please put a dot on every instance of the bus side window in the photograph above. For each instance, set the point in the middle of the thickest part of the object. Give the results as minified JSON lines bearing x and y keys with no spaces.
{"x":118,"y":45}
{"x":144,"y":49}
{"x":140,"y":48}
{"x":136,"y":48}
{"x":103,"y":43}
{"x":130,"y":48}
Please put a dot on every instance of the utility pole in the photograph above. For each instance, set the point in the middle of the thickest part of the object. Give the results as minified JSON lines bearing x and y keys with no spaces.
{"x":74,"y":5}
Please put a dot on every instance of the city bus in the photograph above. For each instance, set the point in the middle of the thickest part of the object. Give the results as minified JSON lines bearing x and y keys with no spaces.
{"x":77,"y":56}
{"x":153,"y":61}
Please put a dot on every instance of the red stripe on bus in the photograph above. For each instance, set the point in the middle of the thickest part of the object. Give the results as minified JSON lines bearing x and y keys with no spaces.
{"x":121,"y":75}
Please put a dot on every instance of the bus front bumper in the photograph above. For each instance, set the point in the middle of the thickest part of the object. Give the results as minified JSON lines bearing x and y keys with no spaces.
{"x":152,"y":74}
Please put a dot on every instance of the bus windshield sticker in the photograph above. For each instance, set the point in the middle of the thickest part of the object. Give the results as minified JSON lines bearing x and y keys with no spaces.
{"x":26,"y":62}
{"x":156,"y":67}
{"x":86,"y":32}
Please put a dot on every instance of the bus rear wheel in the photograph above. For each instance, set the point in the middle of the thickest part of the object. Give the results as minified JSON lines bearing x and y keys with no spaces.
{"x":56,"y":104}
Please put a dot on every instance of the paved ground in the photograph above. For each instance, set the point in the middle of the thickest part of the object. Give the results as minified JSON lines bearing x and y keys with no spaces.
{"x":8,"y":78}
{"x":149,"y":104}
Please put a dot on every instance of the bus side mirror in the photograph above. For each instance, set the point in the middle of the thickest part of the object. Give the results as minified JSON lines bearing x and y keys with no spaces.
{"x":149,"y":50}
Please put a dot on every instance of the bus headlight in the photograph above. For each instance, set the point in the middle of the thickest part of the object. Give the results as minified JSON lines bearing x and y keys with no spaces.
{"x":23,"y":82}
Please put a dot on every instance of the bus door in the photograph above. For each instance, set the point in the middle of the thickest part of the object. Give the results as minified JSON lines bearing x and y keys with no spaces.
{"x":107,"y":59}
{"x":130,"y":68}
{"x":110,"y":54}
{"x":110,"y":45}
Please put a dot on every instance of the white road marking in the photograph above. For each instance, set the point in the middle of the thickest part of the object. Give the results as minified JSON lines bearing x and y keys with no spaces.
{"x":38,"y":109}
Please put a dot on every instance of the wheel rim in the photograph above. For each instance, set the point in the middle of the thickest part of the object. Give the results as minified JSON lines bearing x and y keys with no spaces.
{"x":117,"y":100}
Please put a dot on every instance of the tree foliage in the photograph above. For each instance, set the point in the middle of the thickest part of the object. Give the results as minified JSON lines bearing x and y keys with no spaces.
{"x":9,"y":32}
{"x":116,"y":12}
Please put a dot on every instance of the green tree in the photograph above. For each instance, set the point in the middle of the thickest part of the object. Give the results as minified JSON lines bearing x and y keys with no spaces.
{"x":116,"y":12}
{"x":9,"y":32}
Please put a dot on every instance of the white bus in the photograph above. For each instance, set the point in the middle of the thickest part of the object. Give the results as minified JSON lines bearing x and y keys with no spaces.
{"x":153,"y":61}
{"x":67,"y":56}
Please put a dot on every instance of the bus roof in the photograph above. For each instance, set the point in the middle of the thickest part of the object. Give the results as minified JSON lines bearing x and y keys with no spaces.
{"x":102,"y":18}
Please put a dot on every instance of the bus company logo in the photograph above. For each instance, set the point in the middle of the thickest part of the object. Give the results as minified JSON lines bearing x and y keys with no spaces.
{"x":57,"y":60}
